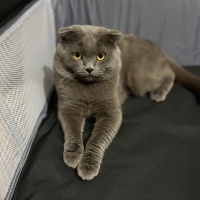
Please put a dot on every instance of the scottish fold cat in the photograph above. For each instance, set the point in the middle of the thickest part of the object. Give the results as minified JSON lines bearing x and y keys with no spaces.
{"x":95,"y":69}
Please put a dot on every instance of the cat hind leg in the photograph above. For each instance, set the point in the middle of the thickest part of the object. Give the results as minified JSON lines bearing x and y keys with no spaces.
{"x":161,"y":92}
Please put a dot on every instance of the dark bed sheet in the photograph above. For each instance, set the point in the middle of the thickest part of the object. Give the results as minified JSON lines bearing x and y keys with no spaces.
{"x":155,"y":156}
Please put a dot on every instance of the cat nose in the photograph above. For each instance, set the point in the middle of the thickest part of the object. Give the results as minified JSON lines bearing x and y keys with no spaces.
{"x":89,"y":69}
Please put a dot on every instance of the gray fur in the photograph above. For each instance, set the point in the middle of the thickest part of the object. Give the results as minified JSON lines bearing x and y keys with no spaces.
{"x":142,"y":67}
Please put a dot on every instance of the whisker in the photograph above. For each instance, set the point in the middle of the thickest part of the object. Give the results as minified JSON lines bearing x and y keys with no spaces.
{"x":80,"y":74}
{"x":66,"y":77}
{"x":62,"y":80}
{"x":106,"y":78}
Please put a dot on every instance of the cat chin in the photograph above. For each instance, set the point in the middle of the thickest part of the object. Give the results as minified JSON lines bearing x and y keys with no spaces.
{"x":87,"y":79}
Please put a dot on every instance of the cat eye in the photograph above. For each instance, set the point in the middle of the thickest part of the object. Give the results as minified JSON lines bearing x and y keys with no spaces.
{"x":77,"y":56}
{"x":101,"y":56}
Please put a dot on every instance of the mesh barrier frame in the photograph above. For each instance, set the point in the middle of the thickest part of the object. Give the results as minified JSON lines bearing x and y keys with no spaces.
{"x":27,"y":46}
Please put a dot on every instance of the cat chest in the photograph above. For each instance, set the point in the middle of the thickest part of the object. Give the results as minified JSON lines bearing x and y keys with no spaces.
{"x":86,"y":93}
{"x":87,"y":105}
{"x":87,"y":101}
{"x":86,"y":108}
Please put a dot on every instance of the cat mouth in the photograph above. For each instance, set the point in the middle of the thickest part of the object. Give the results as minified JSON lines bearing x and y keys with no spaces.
{"x":88,"y":77}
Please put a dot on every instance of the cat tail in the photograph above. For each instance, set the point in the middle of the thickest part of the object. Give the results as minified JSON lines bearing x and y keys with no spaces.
{"x":185,"y":78}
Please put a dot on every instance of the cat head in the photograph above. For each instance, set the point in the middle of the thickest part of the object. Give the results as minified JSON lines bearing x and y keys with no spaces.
{"x":88,"y":53}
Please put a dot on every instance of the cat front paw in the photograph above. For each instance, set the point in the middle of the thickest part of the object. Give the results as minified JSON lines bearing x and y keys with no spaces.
{"x":88,"y":170}
{"x":72,"y":154}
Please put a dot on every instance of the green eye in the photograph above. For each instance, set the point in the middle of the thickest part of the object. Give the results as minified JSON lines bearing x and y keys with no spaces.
{"x":77,"y":56}
{"x":101,"y":56}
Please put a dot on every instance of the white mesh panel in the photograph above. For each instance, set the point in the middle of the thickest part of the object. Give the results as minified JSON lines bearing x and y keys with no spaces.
{"x":26,"y":54}
{"x":10,"y":155}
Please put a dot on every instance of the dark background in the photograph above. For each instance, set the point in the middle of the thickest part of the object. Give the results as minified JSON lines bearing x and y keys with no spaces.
{"x":10,"y":8}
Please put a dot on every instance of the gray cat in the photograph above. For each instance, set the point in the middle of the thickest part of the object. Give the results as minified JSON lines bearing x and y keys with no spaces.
{"x":93,"y":79}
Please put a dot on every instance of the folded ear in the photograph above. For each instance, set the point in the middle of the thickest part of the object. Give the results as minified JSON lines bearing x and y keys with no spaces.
{"x":67,"y":34}
{"x":114,"y":35}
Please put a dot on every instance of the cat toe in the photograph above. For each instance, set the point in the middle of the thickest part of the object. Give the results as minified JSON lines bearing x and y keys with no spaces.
{"x":88,"y":171}
{"x":158,"y":97}
{"x":72,"y":156}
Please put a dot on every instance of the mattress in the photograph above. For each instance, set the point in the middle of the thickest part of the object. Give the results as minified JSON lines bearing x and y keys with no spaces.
{"x":156,"y":149}
{"x":155,"y":155}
